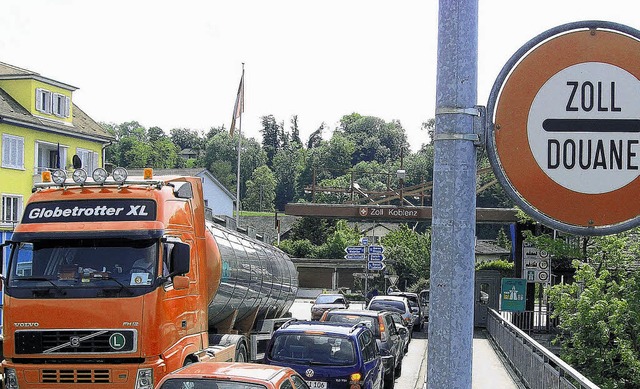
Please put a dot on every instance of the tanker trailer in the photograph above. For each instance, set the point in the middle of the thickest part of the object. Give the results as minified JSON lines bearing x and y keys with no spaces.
{"x":258,"y":285}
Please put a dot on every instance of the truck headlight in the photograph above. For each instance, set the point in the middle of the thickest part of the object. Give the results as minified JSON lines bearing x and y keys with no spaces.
{"x":144,"y":379}
{"x":10,"y":378}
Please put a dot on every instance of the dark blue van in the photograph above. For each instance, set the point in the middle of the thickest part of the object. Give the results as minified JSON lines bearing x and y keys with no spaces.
{"x":328,"y":355}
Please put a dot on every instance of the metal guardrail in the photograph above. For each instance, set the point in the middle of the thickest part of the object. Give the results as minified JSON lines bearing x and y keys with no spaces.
{"x":538,"y":367}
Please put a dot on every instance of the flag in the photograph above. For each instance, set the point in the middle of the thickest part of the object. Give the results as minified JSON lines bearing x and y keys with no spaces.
{"x":238,"y":109}
{"x":58,"y":157}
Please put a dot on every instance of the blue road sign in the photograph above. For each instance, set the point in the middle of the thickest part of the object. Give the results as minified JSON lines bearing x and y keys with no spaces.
{"x":376,"y":257}
{"x":364,"y":241}
{"x":376,"y":249}
{"x":379,"y":265}
{"x":354,"y":256}
{"x":354,"y":249}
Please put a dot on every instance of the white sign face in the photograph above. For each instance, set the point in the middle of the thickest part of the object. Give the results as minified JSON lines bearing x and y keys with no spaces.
{"x":584,"y":128}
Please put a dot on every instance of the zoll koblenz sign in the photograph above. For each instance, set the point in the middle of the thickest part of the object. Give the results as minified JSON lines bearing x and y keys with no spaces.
{"x":565,"y":140}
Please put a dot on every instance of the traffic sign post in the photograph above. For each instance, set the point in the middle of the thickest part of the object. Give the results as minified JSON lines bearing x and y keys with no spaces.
{"x":376,"y":265}
{"x":565,"y":137}
{"x":376,"y":249}
{"x":354,"y":249}
{"x":355,"y":257}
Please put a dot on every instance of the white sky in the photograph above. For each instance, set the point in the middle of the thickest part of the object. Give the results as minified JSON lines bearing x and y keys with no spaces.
{"x":178,"y":63}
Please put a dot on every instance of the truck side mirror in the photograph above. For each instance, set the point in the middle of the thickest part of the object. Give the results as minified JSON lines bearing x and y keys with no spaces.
{"x":180,"y":258}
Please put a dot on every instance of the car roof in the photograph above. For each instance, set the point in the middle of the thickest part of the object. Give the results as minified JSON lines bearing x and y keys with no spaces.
{"x":393,"y":298}
{"x":407,"y":294}
{"x":319,"y":326}
{"x":359,"y":312}
{"x":330,"y":294}
{"x":251,"y":372}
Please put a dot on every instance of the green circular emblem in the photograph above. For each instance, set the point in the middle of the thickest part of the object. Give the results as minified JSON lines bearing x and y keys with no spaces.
{"x":117,"y":341}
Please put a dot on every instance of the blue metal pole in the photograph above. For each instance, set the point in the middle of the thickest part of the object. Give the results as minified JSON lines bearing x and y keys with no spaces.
{"x":449,"y":354}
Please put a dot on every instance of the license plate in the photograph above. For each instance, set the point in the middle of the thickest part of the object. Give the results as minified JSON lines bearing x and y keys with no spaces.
{"x":317,"y":384}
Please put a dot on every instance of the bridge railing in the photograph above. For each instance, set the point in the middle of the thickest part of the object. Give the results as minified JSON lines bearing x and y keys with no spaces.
{"x":538,"y":367}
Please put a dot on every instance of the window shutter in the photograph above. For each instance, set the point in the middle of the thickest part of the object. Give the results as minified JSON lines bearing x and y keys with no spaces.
{"x":39,"y":99}
{"x":67,"y":106}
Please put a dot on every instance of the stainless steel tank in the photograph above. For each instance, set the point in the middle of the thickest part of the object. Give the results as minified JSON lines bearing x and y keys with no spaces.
{"x":255,"y":275}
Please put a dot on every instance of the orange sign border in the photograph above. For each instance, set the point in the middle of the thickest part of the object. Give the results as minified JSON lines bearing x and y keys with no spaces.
{"x":511,"y":140}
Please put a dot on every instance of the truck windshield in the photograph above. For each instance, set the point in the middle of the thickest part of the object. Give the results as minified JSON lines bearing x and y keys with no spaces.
{"x":58,"y":265}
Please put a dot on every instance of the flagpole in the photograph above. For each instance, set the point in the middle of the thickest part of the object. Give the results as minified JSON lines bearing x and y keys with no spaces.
{"x":238,"y":205}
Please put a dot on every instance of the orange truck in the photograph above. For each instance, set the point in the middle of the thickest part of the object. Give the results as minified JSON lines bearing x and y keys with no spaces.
{"x":114,"y":283}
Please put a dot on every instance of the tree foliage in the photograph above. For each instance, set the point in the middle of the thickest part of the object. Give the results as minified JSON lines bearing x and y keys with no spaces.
{"x":410,"y":253}
{"x":261,"y":190}
{"x":599,"y":313}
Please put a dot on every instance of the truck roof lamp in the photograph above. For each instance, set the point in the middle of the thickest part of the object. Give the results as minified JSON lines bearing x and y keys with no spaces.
{"x":119,"y":175}
{"x":99,"y":175}
{"x":148,"y":173}
{"x":79,"y":176}
{"x":59,"y":176}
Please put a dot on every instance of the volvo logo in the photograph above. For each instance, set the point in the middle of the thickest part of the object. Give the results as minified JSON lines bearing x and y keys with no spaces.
{"x":309,"y":373}
{"x":75,"y":341}
{"x":22,"y":325}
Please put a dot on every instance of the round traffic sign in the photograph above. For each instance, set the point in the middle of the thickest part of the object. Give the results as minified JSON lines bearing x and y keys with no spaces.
{"x":566,"y":136}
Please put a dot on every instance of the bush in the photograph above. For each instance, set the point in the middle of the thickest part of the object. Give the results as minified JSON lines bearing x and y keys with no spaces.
{"x":506,"y":268}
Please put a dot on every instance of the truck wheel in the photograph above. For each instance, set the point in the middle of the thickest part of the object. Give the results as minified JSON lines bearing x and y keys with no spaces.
{"x":241,"y":353}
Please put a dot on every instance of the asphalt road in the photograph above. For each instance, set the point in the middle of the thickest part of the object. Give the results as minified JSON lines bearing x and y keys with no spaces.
{"x":489,"y":370}
{"x":414,"y":363}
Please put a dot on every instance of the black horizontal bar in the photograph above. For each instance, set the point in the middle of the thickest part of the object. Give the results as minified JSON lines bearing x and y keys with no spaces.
{"x":591,"y":125}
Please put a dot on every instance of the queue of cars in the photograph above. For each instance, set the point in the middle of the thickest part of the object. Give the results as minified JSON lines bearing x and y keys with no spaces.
{"x":340,"y":348}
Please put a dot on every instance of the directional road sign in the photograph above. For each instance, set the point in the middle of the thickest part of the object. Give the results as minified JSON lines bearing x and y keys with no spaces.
{"x":376,"y":249}
{"x":355,"y":257}
{"x":566,"y":129}
{"x":376,"y":265}
{"x":376,"y":257}
{"x":354,"y":249}
{"x":364,"y":241}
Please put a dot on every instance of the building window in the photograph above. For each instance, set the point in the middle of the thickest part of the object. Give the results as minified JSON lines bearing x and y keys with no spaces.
{"x":47,"y":157}
{"x":43,"y":100}
{"x":89,"y":159}
{"x":60,"y":105}
{"x":11,"y":208}
{"x":12,"y":151}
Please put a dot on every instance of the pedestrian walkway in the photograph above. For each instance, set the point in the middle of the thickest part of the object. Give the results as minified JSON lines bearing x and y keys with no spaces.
{"x":489,"y":370}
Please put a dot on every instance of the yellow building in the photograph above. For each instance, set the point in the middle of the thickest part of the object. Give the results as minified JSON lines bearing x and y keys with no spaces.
{"x":40,"y":129}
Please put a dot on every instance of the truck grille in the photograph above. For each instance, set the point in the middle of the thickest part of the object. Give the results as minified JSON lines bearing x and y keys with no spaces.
{"x":76,"y":376}
{"x":76,"y":342}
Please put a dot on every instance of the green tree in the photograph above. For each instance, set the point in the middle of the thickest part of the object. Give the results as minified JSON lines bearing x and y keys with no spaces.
{"x":598,"y":313}
{"x":287,"y":166}
{"x":221,"y":159}
{"x":410,"y":253}
{"x":271,"y":137}
{"x":186,"y":138}
{"x":260,"y":190}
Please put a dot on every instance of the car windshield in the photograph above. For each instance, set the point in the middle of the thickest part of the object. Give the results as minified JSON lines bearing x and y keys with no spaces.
{"x":313,"y":349}
{"x":369,"y":321}
{"x":65,"y":265}
{"x":207,"y":383}
{"x":387,"y":305}
{"x":329,"y":299}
